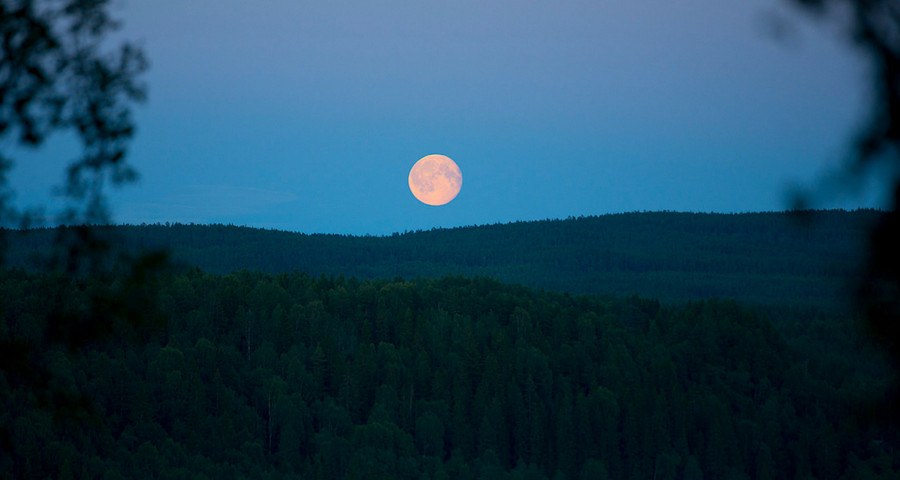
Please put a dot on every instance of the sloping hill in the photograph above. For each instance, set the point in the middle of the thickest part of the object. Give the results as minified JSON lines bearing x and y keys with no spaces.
{"x":754,"y":257}
{"x":288,"y":376}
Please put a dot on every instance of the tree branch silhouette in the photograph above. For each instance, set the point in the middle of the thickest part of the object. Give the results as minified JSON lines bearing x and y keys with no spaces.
{"x":58,"y":73}
{"x":873,"y":26}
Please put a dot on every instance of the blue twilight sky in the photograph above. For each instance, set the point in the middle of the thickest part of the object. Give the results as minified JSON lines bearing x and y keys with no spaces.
{"x":308,"y":115}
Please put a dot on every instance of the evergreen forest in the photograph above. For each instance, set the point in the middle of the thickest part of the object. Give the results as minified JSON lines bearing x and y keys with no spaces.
{"x":761,"y":258}
{"x":523,"y":351}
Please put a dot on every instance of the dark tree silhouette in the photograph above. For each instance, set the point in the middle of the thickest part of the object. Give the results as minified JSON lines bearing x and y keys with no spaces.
{"x":874,"y":27}
{"x":58,"y":74}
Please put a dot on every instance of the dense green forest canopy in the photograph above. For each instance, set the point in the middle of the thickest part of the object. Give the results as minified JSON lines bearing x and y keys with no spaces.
{"x":763,"y":258}
{"x":255,"y":375}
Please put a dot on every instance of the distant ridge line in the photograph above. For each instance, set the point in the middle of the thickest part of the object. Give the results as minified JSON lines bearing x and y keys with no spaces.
{"x":804,"y":257}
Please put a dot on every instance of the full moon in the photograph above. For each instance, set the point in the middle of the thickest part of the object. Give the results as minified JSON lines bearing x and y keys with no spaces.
{"x":435,"y":180}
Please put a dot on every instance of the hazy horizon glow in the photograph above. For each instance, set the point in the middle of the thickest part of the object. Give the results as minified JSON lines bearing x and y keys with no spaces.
{"x":308,"y":117}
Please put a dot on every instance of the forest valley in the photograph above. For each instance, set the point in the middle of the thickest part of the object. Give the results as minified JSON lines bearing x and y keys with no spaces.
{"x":258,"y":374}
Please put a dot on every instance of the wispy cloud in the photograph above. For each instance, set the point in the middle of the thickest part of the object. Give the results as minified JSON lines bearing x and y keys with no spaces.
{"x":205,"y":204}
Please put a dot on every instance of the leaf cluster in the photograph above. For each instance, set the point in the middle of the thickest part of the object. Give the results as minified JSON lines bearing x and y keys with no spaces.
{"x":56,"y":74}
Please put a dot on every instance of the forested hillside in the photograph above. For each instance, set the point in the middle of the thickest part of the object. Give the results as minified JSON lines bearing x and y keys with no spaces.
{"x":757,"y":257}
{"x":253,"y":375}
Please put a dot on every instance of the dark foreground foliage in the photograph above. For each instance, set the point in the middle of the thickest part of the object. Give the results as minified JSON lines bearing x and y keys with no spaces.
{"x":291,"y":376}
